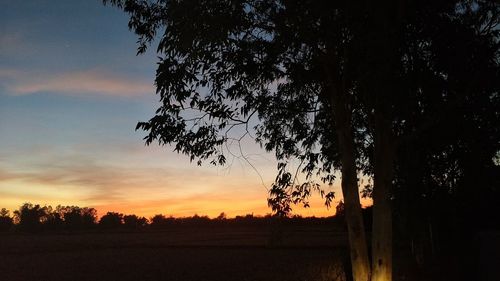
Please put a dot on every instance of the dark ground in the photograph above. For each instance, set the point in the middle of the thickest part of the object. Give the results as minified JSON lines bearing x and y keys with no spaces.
{"x":253,"y":253}
{"x":241,"y":253}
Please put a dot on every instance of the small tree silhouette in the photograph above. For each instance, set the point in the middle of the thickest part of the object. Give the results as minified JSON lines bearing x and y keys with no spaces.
{"x":222,"y":216}
{"x":89,"y":217}
{"x":111,"y":220}
{"x":5,"y":220}
{"x":134,"y":222}
{"x":160,"y":220}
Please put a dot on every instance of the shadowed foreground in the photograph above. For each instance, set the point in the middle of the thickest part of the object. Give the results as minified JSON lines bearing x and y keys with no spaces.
{"x":186,"y":254}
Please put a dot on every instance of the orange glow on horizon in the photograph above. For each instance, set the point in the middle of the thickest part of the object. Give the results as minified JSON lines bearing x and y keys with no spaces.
{"x":168,"y":190}
{"x":213,"y":206}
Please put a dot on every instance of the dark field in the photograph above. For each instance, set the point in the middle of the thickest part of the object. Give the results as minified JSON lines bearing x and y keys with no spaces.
{"x":205,"y":253}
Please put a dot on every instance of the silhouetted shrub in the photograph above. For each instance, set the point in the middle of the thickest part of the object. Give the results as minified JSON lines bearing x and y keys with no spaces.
{"x":134,"y":222}
{"x":111,"y":220}
{"x":222,"y":216}
{"x":197,"y":220}
{"x":160,"y":221}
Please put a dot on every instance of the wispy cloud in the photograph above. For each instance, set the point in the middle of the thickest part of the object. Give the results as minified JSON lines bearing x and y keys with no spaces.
{"x":77,"y":83}
{"x":134,"y":187}
{"x":89,"y":178}
{"x":131,"y":190}
{"x":77,"y":173}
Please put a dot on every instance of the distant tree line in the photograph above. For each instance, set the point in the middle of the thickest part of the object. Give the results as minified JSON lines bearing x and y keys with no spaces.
{"x":34,"y":218}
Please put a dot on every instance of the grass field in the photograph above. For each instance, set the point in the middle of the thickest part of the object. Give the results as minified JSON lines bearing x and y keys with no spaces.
{"x":204,"y":253}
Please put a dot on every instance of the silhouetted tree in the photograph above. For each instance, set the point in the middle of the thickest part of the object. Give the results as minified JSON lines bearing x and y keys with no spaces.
{"x":111,"y":220}
{"x":30,"y":217}
{"x":239,"y":61}
{"x":72,"y":217}
{"x":449,"y":133}
{"x":198,"y":220}
{"x":338,"y":85}
{"x":76,"y":218}
{"x":161,"y":221}
{"x":134,"y":222}
{"x":6,"y":221}
{"x":54,"y":220}
{"x":89,"y":217}
{"x":222,"y":216}
{"x":158,"y":220}
{"x":4,"y":212}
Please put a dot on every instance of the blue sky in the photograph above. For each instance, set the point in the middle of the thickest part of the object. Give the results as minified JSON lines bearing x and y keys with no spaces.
{"x":71,"y":92}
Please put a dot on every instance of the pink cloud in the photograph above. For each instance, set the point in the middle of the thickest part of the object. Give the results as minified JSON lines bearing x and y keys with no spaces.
{"x":93,"y":82}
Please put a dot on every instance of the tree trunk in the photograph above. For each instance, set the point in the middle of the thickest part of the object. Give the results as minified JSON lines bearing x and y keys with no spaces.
{"x":382,"y":214}
{"x":357,"y":240}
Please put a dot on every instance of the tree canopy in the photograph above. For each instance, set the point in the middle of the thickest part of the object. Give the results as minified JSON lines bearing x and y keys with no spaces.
{"x":403,"y":91}
{"x":260,"y":65}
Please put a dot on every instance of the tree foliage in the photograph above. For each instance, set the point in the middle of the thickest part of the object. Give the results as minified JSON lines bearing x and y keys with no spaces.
{"x":419,"y":81}
{"x":30,"y":217}
{"x":134,"y":222}
{"x":244,"y":68}
{"x":260,"y":65}
{"x":74,"y":217}
{"x":111,"y":220}
{"x":6,"y":220}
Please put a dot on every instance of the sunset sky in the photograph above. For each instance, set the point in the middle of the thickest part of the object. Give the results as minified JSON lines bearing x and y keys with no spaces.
{"x":71,"y":92}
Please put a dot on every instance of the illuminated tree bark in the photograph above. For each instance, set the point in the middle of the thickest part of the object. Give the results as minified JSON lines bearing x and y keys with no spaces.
{"x":357,"y":239}
{"x":342,"y":115}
